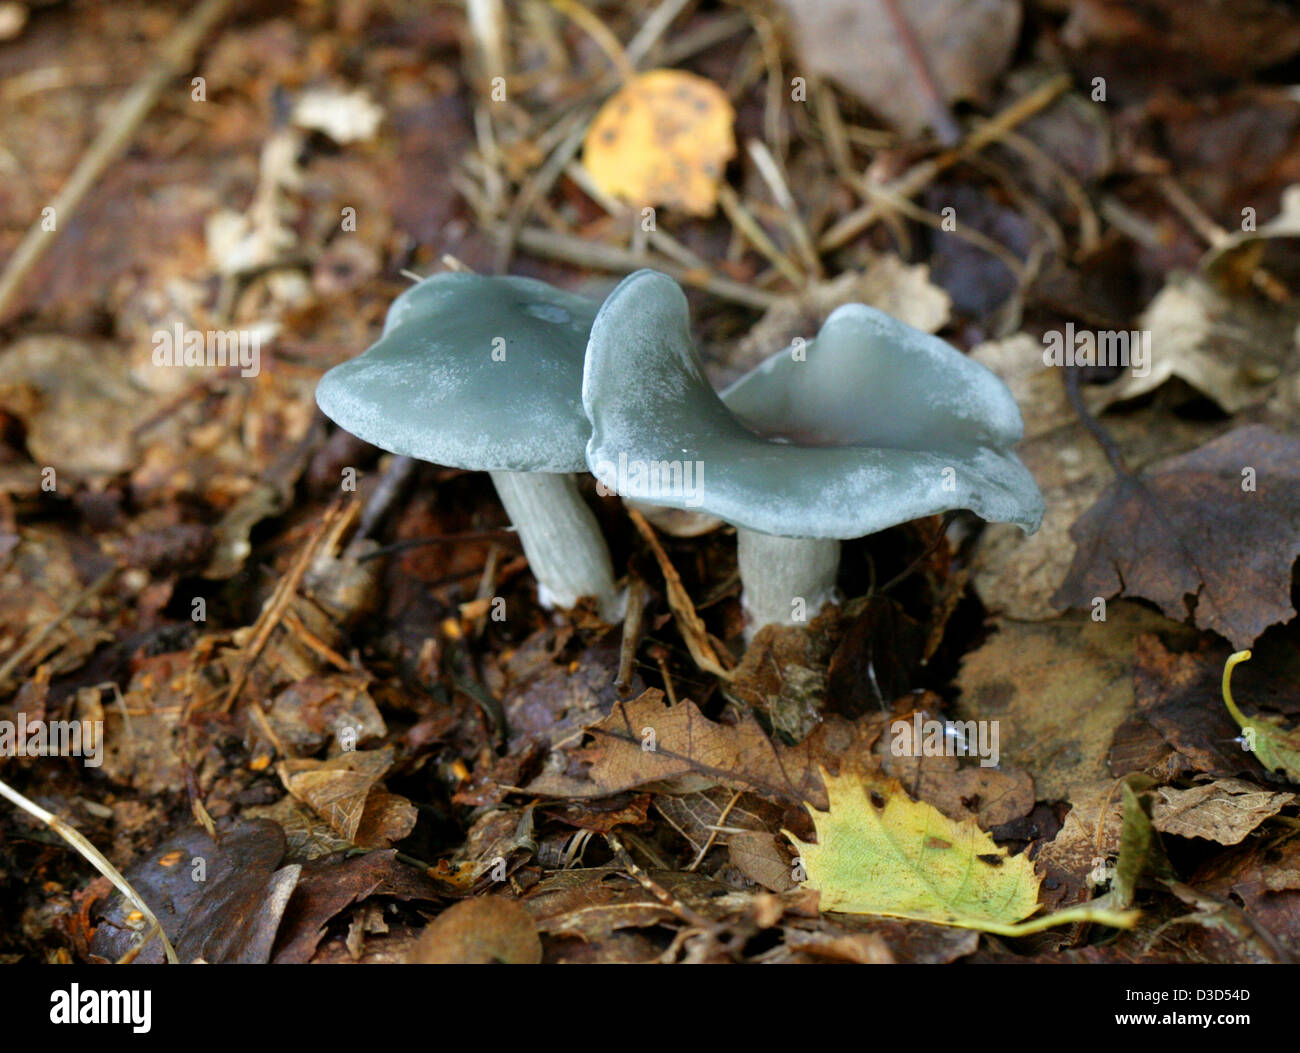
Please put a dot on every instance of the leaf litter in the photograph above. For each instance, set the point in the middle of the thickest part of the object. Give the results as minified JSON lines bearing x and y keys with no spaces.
{"x":302,"y":661}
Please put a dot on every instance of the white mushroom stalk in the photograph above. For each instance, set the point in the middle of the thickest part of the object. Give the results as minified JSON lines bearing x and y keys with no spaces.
{"x":563,"y":543}
{"x":787,"y":579}
{"x":485,"y":374}
{"x":873,"y":424}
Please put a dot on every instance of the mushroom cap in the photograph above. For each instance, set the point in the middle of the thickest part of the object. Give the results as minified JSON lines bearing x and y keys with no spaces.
{"x":432,"y":388}
{"x":851,"y":440}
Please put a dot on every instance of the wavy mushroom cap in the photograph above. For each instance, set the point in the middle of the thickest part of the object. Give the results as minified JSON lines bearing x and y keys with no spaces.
{"x":878,"y":424}
{"x":472,"y":372}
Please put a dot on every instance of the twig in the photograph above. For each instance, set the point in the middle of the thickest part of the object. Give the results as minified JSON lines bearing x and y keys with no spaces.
{"x":941,"y":118}
{"x":680,"y":909}
{"x":922,"y":175}
{"x":771,"y":171}
{"x":653,"y":28}
{"x":583,"y":253}
{"x":689,"y":622}
{"x":174,"y":56}
{"x":276,"y":606}
{"x":600,"y":33}
{"x":713,"y":832}
{"x":95,"y":857}
{"x":19,"y":656}
{"x":389,"y":489}
{"x":744,"y":222}
{"x":633,"y":623}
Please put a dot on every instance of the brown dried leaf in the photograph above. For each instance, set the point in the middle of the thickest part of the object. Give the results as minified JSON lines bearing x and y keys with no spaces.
{"x":1224,"y":811}
{"x":966,"y":46}
{"x":689,"y":753}
{"x":336,"y":789}
{"x":483,"y":931}
{"x":1189,"y":528}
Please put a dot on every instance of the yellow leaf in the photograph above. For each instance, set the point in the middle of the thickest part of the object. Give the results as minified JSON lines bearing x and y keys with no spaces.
{"x":879,"y":852}
{"x":663,"y":139}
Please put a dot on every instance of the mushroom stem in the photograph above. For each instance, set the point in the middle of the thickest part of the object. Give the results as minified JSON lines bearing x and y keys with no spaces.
{"x":561,"y":539}
{"x":785,"y":580}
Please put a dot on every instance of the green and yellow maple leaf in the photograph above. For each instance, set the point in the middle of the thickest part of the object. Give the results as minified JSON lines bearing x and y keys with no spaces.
{"x":880,"y":852}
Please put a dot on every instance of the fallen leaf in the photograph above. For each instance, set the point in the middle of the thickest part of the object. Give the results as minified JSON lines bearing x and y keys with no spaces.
{"x":676,"y":749}
{"x":337,"y":789}
{"x":1178,"y":694}
{"x":1017,"y":575}
{"x":1059,"y":690}
{"x":483,"y":931}
{"x":663,"y":139}
{"x":878,"y":852}
{"x":1224,"y":811}
{"x":1212,"y":533}
{"x":966,"y":47}
{"x":327,"y":887}
{"x":220,"y":901}
{"x":1186,"y":40}
{"x":1230,"y":349}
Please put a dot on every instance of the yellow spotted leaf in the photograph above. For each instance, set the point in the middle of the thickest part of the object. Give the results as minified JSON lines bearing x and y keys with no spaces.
{"x":663,"y":139}
{"x":880,"y":852}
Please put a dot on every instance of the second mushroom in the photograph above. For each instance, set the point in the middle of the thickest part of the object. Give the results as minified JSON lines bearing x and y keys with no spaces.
{"x":870,"y":425}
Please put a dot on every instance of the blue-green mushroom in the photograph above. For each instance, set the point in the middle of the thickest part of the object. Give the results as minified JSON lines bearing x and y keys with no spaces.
{"x":871,"y":424}
{"x":485,"y":373}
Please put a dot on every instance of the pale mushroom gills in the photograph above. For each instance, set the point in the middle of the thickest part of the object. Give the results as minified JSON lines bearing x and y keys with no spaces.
{"x":870,"y":425}
{"x":484,"y":373}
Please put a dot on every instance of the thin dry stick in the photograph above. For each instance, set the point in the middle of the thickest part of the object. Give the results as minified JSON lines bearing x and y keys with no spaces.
{"x":276,"y":606}
{"x":600,"y":33}
{"x":555,"y":245}
{"x":175,"y":55}
{"x":41,"y":635}
{"x":692,"y":627}
{"x":922,"y":175}
{"x":770,"y":170}
{"x":914,"y":211}
{"x":95,"y":857}
{"x":680,"y":909}
{"x":716,"y":828}
{"x":539,"y":185}
{"x":661,"y":239}
{"x":941,"y":118}
{"x":653,"y":28}
{"x":633,"y":623}
{"x":744,"y":222}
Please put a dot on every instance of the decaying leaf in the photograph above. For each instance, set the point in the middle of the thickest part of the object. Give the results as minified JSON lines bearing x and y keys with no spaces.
{"x":663,"y":139}
{"x":1224,"y":811}
{"x":878,"y":852}
{"x":966,"y":45}
{"x":1059,"y":689}
{"x":217,"y":901}
{"x":677,"y":749}
{"x":1230,"y":349}
{"x":482,"y":931}
{"x":1213,"y":532}
{"x":339,"y":791}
